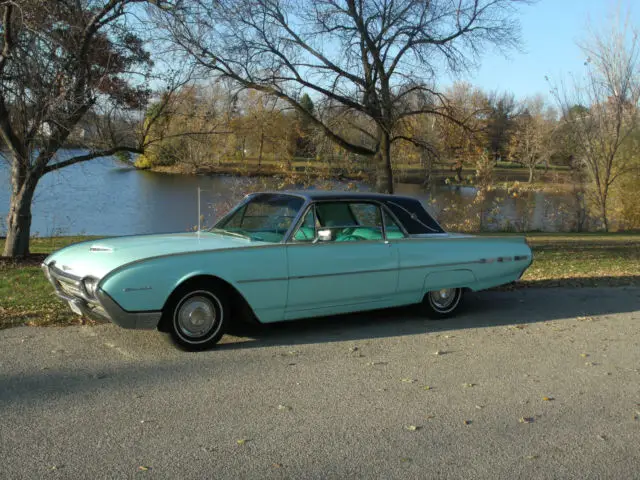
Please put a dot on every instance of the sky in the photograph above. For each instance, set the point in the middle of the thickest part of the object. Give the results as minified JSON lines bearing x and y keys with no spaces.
{"x":550,"y":30}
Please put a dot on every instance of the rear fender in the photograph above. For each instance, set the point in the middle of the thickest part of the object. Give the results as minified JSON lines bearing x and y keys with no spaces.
{"x":461,"y":278}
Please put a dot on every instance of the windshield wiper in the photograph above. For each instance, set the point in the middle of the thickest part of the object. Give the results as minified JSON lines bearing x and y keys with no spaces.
{"x":227,"y":232}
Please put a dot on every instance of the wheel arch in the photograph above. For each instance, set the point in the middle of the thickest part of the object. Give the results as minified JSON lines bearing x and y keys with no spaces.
{"x":238,"y":303}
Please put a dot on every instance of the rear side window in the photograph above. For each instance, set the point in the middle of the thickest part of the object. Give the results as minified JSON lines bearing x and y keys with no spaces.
{"x":336,"y":214}
{"x":349,"y":221}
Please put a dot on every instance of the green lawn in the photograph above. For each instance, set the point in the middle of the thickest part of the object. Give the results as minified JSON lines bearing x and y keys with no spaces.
{"x":584,"y":260}
{"x":573,"y":260}
{"x":26,"y":297}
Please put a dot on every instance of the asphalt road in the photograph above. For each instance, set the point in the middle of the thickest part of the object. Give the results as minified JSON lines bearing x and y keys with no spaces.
{"x":524,"y":384}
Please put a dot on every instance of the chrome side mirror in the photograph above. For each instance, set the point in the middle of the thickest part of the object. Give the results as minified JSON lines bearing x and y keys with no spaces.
{"x":324,"y":235}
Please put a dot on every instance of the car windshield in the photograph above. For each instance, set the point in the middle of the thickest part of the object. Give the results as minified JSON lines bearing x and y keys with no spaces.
{"x":265,"y":217}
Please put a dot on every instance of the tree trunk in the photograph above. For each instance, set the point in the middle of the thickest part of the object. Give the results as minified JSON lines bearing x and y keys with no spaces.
{"x":19,"y":218}
{"x":384,"y":173}
{"x":260,"y":150}
{"x":605,"y":219}
{"x":531,"y":167}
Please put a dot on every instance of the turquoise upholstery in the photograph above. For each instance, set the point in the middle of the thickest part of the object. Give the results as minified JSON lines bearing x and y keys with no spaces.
{"x":304,"y":234}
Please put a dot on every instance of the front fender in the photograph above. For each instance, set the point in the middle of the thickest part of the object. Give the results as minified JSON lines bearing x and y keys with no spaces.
{"x":147,"y":284}
{"x":259,"y":274}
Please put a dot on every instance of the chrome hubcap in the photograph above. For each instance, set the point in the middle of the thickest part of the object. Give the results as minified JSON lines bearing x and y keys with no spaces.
{"x":443,"y":299}
{"x":197,"y":316}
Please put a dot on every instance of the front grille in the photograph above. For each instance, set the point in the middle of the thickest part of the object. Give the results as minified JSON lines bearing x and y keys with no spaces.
{"x":65,"y":283}
{"x":70,"y":288}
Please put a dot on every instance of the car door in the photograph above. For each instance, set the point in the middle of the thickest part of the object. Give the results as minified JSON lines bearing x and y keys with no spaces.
{"x":339,"y":260}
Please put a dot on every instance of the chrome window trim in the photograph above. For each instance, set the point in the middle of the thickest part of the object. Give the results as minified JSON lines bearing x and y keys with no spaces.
{"x":240,"y":204}
{"x":247,"y":198}
{"x":381,"y":206}
{"x":296,"y":226}
{"x":396,"y":220}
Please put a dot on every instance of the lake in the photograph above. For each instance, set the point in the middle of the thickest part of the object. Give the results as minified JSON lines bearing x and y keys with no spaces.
{"x":104,"y":197}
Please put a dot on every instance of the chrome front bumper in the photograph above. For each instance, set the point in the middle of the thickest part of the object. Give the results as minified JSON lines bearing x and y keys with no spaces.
{"x":70,"y":289}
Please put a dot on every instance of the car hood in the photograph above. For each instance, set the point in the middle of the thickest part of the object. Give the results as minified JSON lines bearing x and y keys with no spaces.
{"x":98,"y":257}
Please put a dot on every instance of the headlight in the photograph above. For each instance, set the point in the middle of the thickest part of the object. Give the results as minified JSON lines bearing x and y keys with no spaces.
{"x":90,"y":286}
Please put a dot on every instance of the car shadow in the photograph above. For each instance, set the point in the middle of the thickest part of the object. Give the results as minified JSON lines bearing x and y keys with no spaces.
{"x":159,"y":364}
{"x":481,"y":309}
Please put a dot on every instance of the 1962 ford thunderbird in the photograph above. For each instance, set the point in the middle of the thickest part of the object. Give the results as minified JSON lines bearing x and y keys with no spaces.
{"x":283,"y":256}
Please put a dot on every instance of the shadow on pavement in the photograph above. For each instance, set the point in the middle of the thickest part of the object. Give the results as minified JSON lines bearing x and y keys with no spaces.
{"x":159,"y":364}
{"x":482,"y":309}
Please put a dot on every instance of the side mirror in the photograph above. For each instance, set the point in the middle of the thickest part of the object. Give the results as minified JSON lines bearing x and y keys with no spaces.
{"x":324,"y":235}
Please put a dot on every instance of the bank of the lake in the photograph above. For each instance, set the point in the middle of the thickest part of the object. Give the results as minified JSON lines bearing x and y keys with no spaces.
{"x":107,"y":197}
{"x":547,"y":179}
{"x":574,"y":260}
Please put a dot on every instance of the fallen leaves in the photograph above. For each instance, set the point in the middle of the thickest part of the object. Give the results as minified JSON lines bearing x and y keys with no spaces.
{"x":143,"y":468}
{"x":284,"y":407}
{"x":374,"y":364}
{"x":525,"y":420}
{"x":427,"y":387}
{"x":242,"y":441}
{"x":548,"y":399}
{"x":412,"y":428}
{"x":469,"y":385}
{"x":467,"y":422}
{"x":408,"y":380}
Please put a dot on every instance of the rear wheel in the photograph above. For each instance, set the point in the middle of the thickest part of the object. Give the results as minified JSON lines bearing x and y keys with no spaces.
{"x":197,"y":316}
{"x":443,"y":303}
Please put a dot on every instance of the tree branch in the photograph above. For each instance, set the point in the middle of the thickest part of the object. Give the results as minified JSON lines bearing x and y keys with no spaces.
{"x":90,"y":156}
{"x":7,"y":37}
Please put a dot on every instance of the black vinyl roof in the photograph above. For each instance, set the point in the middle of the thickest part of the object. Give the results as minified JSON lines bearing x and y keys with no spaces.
{"x":408,"y":210}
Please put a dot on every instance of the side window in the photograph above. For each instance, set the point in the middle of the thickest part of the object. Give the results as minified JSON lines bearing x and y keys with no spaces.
{"x":349,"y":222}
{"x":307,"y":230}
{"x":391,"y":227}
{"x":367,"y":214}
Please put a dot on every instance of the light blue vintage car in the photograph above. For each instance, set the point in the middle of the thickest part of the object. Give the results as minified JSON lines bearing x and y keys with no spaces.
{"x":283,"y":256}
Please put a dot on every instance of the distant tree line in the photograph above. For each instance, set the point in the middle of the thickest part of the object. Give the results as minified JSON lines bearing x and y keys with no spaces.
{"x":201,"y":81}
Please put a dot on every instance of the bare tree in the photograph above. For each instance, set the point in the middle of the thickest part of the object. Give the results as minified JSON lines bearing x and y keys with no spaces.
{"x":531,"y":143}
{"x":61,"y":62}
{"x":610,"y":93}
{"x":369,"y":57}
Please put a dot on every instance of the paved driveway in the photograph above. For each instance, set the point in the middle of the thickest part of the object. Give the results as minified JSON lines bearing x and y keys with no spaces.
{"x":524,"y":384}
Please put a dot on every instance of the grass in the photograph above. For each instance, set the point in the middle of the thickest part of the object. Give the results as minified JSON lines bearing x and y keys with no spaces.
{"x":574,"y":260}
{"x":584,"y":260}
{"x":26,"y":297}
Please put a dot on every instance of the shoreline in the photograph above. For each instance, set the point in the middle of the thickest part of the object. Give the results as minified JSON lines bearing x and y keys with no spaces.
{"x":506,"y":177}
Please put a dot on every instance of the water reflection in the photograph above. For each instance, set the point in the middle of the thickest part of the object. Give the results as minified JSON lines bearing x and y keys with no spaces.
{"x":103,"y":197}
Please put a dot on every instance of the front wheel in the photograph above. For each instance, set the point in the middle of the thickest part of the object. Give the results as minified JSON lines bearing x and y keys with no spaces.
{"x":443,"y":303}
{"x":198,"y":317}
